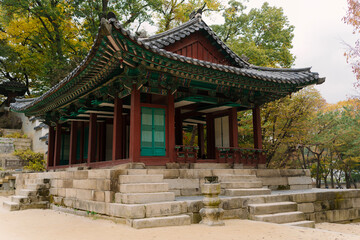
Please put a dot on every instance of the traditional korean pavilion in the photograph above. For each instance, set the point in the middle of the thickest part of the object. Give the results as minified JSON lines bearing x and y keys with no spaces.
{"x":131,"y":97}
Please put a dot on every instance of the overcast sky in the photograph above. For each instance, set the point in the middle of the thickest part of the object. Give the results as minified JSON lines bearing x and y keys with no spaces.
{"x":318,"y":42}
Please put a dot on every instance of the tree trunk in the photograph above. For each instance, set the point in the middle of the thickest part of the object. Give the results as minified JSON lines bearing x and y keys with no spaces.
{"x":332,"y":177}
{"x":347,"y":180}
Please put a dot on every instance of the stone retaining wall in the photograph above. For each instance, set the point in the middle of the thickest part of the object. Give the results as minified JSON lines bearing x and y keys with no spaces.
{"x":93,"y":191}
{"x":330,"y":206}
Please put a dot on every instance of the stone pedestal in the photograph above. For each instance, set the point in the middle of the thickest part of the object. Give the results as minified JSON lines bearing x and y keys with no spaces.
{"x":211,"y":214}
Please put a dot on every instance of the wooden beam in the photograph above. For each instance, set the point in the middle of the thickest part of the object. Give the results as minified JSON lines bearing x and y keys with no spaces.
{"x":233,"y":127}
{"x":57,"y":145}
{"x":92,"y":138}
{"x":51,"y":146}
{"x":117,"y":149}
{"x":135,"y":125}
{"x":171,"y":128}
{"x":73,"y":143}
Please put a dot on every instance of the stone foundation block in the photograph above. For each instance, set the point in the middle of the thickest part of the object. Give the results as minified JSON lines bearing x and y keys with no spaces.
{"x":233,"y":203}
{"x":306,"y":207}
{"x":126,"y":210}
{"x":303,"y":198}
{"x":65,"y":175}
{"x":54,"y":191}
{"x":85,"y":184}
{"x":67,"y":183}
{"x":194,"y":173}
{"x":167,"y":173}
{"x":190,"y":192}
{"x":99,"y":196}
{"x":269,"y":173}
{"x":292,"y":172}
{"x":61,"y":192}
{"x":217,"y":172}
{"x":161,"y":221}
{"x":70,"y":192}
{"x":236,"y":214}
{"x":343,"y":203}
{"x":310,"y":216}
{"x":165,"y":209}
{"x":245,"y":171}
{"x":103,"y":185}
{"x":84,"y":194}
{"x":109,"y":196}
{"x":299,"y":180}
{"x":69,"y":202}
{"x":99,"y":174}
{"x":58,"y":200}
{"x":182,"y":183}
{"x":83,"y":174}
{"x":97,"y":207}
{"x":268,"y":181}
{"x":177,"y":192}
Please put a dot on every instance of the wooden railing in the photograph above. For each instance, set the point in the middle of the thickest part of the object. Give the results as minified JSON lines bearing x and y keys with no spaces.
{"x":240,"y":155}
{"x":186,"y":154}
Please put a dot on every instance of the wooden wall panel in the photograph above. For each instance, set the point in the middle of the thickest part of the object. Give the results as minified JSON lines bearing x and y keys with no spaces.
{"x":198,"y":46}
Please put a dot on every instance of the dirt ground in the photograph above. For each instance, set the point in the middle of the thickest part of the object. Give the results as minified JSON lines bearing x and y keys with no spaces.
{"x":53,"y":225}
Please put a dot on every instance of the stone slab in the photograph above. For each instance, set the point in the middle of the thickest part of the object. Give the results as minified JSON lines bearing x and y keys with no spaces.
{"x":179,"y":220}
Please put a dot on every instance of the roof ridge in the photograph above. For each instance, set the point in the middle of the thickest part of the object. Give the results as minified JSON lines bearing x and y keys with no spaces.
{"x":306,"y":69}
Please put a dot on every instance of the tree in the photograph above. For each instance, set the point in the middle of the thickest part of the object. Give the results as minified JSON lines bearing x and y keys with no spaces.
{"x":263,"y":35}
{"x":352,"y":17}
{"x":171,"y":13}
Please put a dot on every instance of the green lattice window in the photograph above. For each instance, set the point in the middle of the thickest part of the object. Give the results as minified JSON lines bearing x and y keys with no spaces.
{"x":152,"y":132}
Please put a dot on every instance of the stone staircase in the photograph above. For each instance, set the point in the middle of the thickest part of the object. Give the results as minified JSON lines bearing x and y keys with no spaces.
{"x":35,"y":194}
{"x":151,"y":193}
{"x":277,"y":209}
{"x":242,"y":185}
{"x":7,"y":182}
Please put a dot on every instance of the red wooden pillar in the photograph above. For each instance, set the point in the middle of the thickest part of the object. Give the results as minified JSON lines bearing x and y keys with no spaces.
{"x":57,"y":145}
{"x":233,"y":127}
{"x":201,"y":142}
{"x":92,"y":138}
{"x":210,"y":132}
{"x":171,"y":128}
{"x":117,"y":149}
{"x":102,"y":143}
{"x":135,"y":125}
{"x":257,"y":128}
{"x":82,"y":142}
{"x":73,"y":143}
{"x":51,"y":147}
{"x":178,"y":127}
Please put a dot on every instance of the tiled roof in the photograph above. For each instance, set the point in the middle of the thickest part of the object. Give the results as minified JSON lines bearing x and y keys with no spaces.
{"x":166,"y":38}
{"x":295,"y":77}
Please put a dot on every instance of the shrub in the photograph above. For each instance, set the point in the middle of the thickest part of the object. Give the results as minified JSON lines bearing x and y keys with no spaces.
{"x":35,"y":161}
{"x":16,"y":135}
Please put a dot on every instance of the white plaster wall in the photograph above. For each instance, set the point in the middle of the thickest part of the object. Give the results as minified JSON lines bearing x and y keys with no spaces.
{"x":28,"y":129}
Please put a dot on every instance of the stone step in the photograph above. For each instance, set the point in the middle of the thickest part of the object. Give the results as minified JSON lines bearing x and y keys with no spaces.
{"x":144,"y":187}
{"x":37,"y":186}
{"x":140,"y":198}
{"x":27,"y":192}
{"x":240,"y":185}
{"x":11,"y":206}
{"x":141,"y":178}
{"x":268,"y":199}
{"x":269,"y":208}
{"x":36,"y":181}
{"x":20,"y":199}
{"x":247,"y":192}
{"x":308,"y":224}
{"x":35,"y":205}
{"x":286,"y":217}
{"x":237,"y":178}
{"x":178,"y":220}
{"x":162,"y":209}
